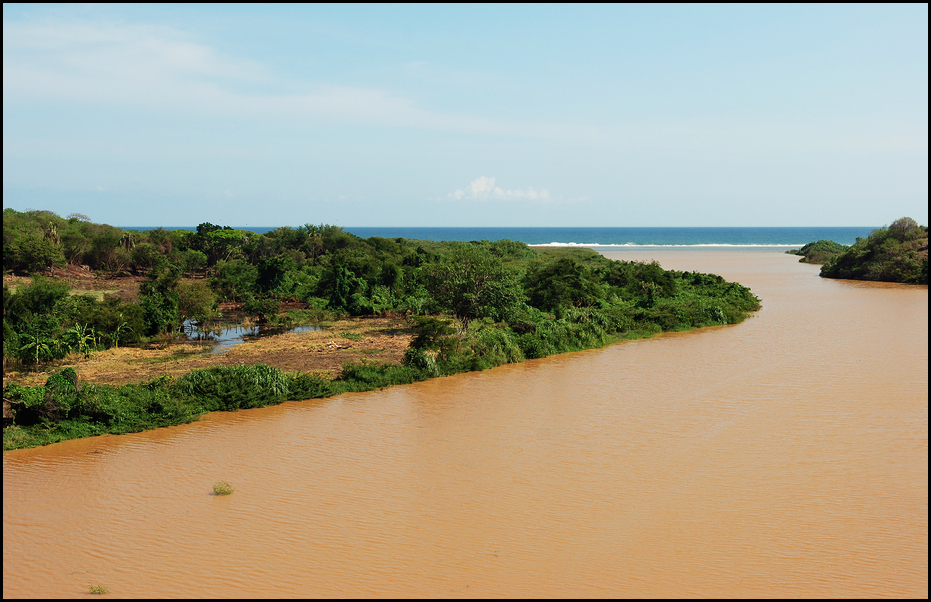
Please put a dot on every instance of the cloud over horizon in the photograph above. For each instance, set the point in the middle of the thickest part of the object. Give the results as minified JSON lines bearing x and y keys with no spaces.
{"x":483,"y":189}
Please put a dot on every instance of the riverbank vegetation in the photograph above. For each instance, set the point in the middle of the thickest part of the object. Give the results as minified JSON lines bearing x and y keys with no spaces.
{"x":465,"y":306}
{"x":818,"y":252}
{"x":895,"y":253}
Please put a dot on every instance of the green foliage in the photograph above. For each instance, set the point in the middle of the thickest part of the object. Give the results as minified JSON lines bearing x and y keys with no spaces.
{"x":222,"y":488}
{"x":98,"y":589}
{"x":82,"y":338}
{"x":563,"y":283}
{"x":493,"y":347}
{"x":342,"y":285}
{"x":196,"y":301}
{"x":33,"y":253}
{"x":192,"y":261}
{"x":897,"y":253}
{"x":234,"y":387}
{"x":309,"y":386}
{"x":160,"y":299}
{"x":422,"y":360}
{"x":511,"y":302}
{"x":472,"y":284}
{"x":234,"y":280}
{"x":263,"y":308}
{"x":818,"y":252}
{"x":367,"y":377}
{"x":431,"y":332}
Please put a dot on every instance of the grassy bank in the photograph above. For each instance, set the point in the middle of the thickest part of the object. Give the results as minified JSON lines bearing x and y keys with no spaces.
{"x":65,"y":408}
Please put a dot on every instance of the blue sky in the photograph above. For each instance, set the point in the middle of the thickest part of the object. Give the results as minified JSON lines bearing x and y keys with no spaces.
{"x":468,"y":115}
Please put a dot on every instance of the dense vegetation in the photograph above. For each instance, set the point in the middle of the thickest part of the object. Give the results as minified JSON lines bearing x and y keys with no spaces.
{"x":471,"y":305}
{"x":818,"y":252}
{"x":896,"y":253}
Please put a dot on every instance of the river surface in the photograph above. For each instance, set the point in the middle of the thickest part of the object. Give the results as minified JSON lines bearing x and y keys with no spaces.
{"x":785,"y":456}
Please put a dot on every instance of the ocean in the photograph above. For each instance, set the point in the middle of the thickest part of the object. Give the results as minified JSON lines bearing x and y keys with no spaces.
{"x":612,"y":237}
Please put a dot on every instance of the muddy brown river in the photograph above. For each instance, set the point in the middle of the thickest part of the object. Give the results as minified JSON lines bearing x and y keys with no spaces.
{"x":785,"y":456}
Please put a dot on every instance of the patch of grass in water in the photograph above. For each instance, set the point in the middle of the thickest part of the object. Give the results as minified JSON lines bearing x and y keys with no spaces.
{"x":98,"y":589}
{"x":222,"y":488}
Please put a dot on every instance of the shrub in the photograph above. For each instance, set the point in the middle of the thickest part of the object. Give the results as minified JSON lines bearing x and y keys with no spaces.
{"x":222,"y":488}
{"x":308,"y":386}
{"x":424,"y":361}
{"x":367,"y":377}
{"x":234,"y":387}
{"x":820,"y":251}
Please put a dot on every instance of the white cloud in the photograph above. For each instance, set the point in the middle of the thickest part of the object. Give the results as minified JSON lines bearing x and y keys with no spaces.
{"x":484,"y":189}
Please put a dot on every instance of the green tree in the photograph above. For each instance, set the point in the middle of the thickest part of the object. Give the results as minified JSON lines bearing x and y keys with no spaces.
{"x":160,"y":300}
{"x":472,"y":284}
{"x":263,"y":308}
{"x":33,"y":253}
{"x":561,"y":284}
{"x":234,"y":280}
{"x":192,"y":261}
{"x":196,"y":301}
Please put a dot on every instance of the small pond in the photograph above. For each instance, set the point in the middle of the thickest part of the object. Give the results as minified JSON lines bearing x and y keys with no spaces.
{"x":224,"y":338}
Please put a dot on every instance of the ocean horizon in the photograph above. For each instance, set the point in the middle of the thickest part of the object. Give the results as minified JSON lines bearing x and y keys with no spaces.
{"x":604,"y":237}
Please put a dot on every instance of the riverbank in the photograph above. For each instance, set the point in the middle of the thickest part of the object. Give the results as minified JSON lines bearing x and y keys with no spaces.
{"x":749,"y":461}
{"x":474,"y":311}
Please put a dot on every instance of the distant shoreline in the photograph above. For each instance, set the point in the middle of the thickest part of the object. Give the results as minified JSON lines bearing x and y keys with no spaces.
{"x":600,"y":237}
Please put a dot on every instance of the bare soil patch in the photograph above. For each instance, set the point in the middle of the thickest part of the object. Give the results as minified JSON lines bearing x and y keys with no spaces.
{"x":377,"y":339}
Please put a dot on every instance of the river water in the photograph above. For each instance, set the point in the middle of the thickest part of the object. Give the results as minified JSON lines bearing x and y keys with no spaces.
{"x":785,"y":456}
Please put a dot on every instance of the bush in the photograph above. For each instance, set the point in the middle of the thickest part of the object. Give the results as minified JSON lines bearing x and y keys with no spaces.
{"x":819,"y":252}
{"x":367,"y":377}
{"x":234,"y":387}
{"x":234,"y":280}
{"x":222,"y":488}
{"x":263,"y":308}
{"x":308,"y":386}
{"x":424,"y":361}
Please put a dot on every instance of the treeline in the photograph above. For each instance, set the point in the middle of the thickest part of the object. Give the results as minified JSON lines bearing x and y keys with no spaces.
{"x":895,"y":253}
{"x":543,"y":301}
{"x":471,"y":306}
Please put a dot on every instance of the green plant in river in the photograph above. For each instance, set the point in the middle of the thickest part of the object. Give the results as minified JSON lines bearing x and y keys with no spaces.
{"x":98,"y":589}
{"x":222,"y":488}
